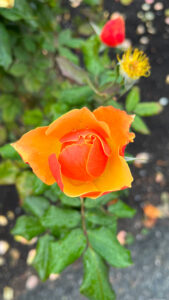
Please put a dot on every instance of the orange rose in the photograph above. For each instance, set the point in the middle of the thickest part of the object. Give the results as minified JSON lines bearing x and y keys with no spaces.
{"x":82,"y":151}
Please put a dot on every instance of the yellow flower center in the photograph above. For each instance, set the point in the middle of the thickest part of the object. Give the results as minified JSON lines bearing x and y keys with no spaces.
{"x":134,"y":64}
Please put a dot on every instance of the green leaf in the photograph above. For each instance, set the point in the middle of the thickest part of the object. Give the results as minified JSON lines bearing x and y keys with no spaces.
{"x":20,"y":11}
{"x":92,"y":59}
{"x":24,"y":183}
{"x":42,"y":259}
{"x":29,"y":44}
{"x":122,"y":210}
{"x":65,"y":39}
{"x":18,"y":69}
{"x":92,"y":2}
{"x":7,"y":151}
{"x":115,"y":104}
{"x":65,"y":251}
{"x":11,"y":107}
{"x":75,"y":202}
{"x":34,"y":80}
{"x":106,"y":244}
{"x":36,"y":205}
{"x":69,"y":55}
{"x":133,"y":98}
{"x":71,"y":71}
{"x":56,"y":218}
{"x":140,"y":126}
{"x":28,"y":227}
{"x":76,"y":95}
{"x":99,"y":217}
{"x":90,"y":203}
{"x":95,"y":285}
{"x":39,"y":187}
{"x":53,"y":192}
{"x":8,"y":172}
{"x":5,"y":47}
{"x":33,"y":117}
{"x":148,"y":109}
{"x":3,"y":137}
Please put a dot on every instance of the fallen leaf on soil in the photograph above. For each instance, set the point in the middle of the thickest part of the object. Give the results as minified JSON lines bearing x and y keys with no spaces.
{"x":122,"y":237}
{"x":31,"y":256}
{"x":149,"y":223}
{"x":53,"y":277}
{"x":151,"y":211}
{"x":22,"y":240}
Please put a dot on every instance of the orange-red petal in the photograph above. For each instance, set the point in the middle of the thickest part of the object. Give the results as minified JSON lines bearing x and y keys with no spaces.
{"x":35,"y":148}
{"x":73,"y":160}
{"x":55,"y":169}
{"x":97,"y":159}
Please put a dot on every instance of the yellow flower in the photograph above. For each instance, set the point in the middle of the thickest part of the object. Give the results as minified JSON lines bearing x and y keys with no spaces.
{"x":7,"y":3}
{"x":134,"y":64}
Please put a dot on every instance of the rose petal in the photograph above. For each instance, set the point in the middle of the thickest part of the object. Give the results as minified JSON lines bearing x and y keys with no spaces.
{"x":116,"y":175}
{"x":119,"y":123}
{"x":55,"y":169}
{"x":97,"y":159}
{"x":113,"y":33}
{"x":75,"y":120}
{"x":73,"y":160}
{"x":74,"y":188}
{"x":35,"y":148}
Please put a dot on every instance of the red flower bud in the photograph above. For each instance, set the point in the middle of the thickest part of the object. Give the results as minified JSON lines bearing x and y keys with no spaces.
{"x":113,"y":32}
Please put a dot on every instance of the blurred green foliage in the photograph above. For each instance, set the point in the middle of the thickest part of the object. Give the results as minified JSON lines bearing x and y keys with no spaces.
{"x":46,"y":69}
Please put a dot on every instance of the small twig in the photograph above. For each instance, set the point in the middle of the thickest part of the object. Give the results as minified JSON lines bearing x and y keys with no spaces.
{"x":97,"y":92}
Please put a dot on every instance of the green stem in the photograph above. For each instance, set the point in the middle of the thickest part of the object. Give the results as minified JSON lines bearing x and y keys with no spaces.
{"x":83,"y":220}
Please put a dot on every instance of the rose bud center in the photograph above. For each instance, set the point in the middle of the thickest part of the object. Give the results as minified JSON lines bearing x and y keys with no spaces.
{"x":84,"y":155}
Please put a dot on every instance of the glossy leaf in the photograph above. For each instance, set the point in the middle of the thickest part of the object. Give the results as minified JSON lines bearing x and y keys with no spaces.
{"x":69,"y":201}
{"x":133,"y":98}
{"x":95,"y":285}
{"x":92,"y":60}
{"x":42,"y":258}
{"x":65,"y":251}
{"x":28,"y":227}
{"x":65,"y":39}
{"x":18,"y":69}
{"x":7,"y":151}
{"x":122,"y":210}
{"x":36,"y":205}
{"x":24,"y":184}
{"x":90,"y":203}
{"x":8,"y":172}
{"x":39,"y":187}
{"x":76,"y":95}
{"x":33,"y":117}
{"x":56,"y":217}
{"x":148,"y":109}
{"x":140,"y":126}
{"x":105,"y":243}
{"x":99,"y":217}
